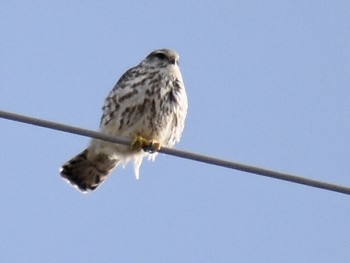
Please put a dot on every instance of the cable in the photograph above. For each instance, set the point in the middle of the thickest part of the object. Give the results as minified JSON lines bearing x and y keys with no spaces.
{"x":179,"y":153}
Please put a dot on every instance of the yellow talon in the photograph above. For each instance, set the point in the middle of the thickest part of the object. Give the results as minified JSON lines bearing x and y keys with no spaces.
{"x":139,"y":143}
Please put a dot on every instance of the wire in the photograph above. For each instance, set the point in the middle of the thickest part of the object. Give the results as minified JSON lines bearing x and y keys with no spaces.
{"x":179,"y":153}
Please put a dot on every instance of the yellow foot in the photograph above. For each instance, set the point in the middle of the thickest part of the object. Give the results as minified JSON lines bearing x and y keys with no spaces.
{"x":139,"y":143}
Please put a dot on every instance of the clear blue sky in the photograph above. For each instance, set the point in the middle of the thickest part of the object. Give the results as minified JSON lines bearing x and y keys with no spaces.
{"x":268,"y":85}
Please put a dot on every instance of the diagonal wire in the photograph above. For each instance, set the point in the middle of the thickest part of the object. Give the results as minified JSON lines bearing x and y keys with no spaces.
{"x":179,"y":153}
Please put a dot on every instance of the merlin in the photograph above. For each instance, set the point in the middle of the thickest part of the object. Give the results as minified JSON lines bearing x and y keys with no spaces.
{"x":148,"y":105}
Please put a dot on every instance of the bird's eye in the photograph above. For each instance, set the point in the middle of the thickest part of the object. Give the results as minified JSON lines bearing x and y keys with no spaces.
{"x":160,"y":56}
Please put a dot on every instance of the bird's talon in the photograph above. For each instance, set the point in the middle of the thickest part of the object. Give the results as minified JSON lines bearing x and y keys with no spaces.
{"x":152,"y":147}
{"x":139,"y":143}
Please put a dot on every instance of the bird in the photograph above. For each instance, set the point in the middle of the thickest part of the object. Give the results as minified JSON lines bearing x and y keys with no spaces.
{"x":147,"y":105}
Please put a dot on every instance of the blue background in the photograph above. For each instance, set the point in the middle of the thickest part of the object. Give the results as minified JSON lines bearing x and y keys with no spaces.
{"x":268,"y":85}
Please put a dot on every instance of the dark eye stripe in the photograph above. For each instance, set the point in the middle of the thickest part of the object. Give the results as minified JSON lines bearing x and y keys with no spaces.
{"x":161,"y":56}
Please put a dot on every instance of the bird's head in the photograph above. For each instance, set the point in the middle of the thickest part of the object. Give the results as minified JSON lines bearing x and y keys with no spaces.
{"x":161,"y":58}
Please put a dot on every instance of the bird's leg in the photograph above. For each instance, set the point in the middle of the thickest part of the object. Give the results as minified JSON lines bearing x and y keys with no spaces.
{"x":139,"y":143}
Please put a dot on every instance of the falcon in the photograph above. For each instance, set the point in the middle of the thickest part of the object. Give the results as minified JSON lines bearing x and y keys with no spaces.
{"x":148,"y":105}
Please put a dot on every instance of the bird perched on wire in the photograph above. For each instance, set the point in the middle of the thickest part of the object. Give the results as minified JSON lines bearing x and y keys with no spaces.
{"x":147,"y":105}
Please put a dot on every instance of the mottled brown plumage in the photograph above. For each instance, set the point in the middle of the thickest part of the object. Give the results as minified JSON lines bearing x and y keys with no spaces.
{"x":148,"y":104}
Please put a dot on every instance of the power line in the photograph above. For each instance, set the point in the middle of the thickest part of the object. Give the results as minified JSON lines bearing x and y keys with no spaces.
{"x":179,"y":153}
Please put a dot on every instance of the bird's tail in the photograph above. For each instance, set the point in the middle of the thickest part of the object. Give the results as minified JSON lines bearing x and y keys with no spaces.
{"x":86,"y":174}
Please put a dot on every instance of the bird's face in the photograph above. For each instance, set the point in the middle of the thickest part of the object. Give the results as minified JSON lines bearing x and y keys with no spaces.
{"x":162,"y":58}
